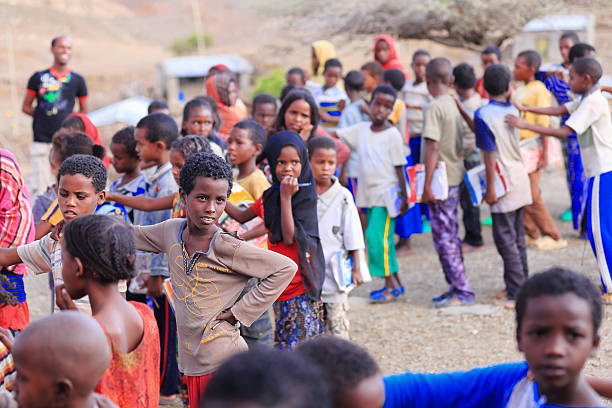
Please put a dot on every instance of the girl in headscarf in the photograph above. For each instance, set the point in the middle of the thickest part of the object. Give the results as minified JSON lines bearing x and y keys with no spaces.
{"x":80,"y":122}
{"x":321,"y":51}
{"x":386,"y":53}
{"x":289,"y":210}
{"x":223,"y":88}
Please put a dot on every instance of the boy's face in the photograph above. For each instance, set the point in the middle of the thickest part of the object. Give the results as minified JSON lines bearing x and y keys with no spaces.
{"x":77,"y":196}
{"x":295,"y":79}
{"x":381,"y":107}
{"x":33,"y":389}
{"x":297,"y":116}
{"x":557,"y":337}
{"x":122,"y":161}
{"x":288,"y":163}
{"x":177,"y":161}
{"x":264,"y":114}
{"x":382,"y":52}
{"x":331,"y":76}
{"x":323,"y":164}
{"x":370,"y":82}
{"x":488,"y":59}
{"x":564,"y":48}
{"x":72,"y":273}
{"x":580,"y":84}
{"x":147,"y":150}
{"x":240,"y":147}
{"x":522,"y":71}
{"x":200,"y":122}
{"x":206,"y":202}
{"x":418,"y":67}
{"x":369,"y":393}
{"x":62,"y":50}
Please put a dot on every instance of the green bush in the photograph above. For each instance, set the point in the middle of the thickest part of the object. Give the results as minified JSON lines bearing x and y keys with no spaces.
{"x":189,"y":44}
{"x":272,"y":83}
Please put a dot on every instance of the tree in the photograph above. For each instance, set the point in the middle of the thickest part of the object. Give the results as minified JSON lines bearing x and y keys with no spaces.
{"x":461,"y":23}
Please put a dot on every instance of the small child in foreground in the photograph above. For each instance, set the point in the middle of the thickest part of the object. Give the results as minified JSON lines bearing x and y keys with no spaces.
{"x":381,"y":155}
{"x":97,"y":252}
{"x":209,"y":270}
{"x":340,"y":233}
{"x":590,"y":120}
{"x":558,"y":315}
{"x":268,"y":379}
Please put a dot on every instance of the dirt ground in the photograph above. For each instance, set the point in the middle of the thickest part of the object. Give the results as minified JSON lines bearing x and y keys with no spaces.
{"x":410,"y":335}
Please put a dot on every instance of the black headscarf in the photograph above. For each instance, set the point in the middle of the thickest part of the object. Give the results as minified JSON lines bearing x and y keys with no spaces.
{"x":304,"y":208}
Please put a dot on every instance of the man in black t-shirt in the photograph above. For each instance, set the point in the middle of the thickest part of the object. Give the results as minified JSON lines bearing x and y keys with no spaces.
{"x":55,"y":90}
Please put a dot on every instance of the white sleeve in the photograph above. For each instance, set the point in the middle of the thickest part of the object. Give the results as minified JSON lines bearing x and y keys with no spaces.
{"x":352,"y":232}
{"x":583,"y":117}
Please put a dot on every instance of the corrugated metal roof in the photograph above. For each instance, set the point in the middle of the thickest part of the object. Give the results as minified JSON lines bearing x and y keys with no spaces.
{"x":129,"y":111}
{"x":558,"y":23}
{"x":198,"y":66}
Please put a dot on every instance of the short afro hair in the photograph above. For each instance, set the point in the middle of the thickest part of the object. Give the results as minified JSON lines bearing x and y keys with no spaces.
{"x":580,"y":50}
{"x":332,"y":63}
{"x":559,"y":281}
{"x":497,"y":78}
{"x":532,"y":59}
{"x":492,"y":49}
{"x":204,"y":165}
{"x":354,"y":81}
{"x":297,"y":71}
{"x":160,"y":127}
{"x":465,"y":77}
{"x":570,"y":35}
{"x":287,"y":90}
{"x":343,"y":363}
{"x":264,"y":99}
{"x":105,"y":246}
{"x":269,"y":378}
{"x":89,"y":166}
{"x":373,"y":68}
{"x":256,"y":132}
{"x":384,"y":89}
{"x":439,"y":70}
{"x":190,"y":145}
{"x":588,"y":66}
{"x":68,"y":143}
{"x":157,"y":106}
{"x":320,"y":142}
{"x":126,"y":138}
{"x":395,"y":78}
{"x":420,"y":53}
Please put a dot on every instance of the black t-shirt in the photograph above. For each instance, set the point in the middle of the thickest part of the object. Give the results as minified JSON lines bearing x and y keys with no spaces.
{"x":55,"y":97}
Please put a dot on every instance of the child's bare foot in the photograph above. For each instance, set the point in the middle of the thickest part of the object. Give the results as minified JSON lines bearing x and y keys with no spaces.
{"x":500,"y":295}
{"x":467,"y":248}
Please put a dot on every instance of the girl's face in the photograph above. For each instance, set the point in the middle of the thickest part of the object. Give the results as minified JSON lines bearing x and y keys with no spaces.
{"x":178,"y":161}
{"x":73,"y":274}
{"x":419,"y":64}
{"x":288,"y":163}
{"x":297,"y":116}
{"x":382,"y":52}
{"x":200,"y":122}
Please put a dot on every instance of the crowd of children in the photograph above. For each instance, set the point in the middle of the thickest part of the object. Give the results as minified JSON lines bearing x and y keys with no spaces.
{"x":231,"y":231}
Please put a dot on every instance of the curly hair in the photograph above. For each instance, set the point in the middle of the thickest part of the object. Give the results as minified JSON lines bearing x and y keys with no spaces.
{"x":256,"y":132}
{"x":204,"y":165}
{"x":105,"y":246}
{"x":126,"y":138}
{"x":159,"y":127}
{"x":190,"y":145}
{"x":89,"y":166}
{"x":559,"y":281}
{"x":68,"y":143}
{"x":344,"y":363}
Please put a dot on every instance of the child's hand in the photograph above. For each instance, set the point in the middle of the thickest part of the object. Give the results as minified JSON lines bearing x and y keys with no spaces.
{"x":63,"y":299}
{"x":490,"y":197}
{"x":515,"y":122}
{"x":56,"y":232}
{"x":357,"y":280}
{"x":403,"y":207}
{"x":341,"y":104}
{"x":228,"y":316}
{"x":428,"y":196}
{"x":517,"y":104}
{"x":543,"y":161}
{"x":305,"y":131}
{"x":288,"y":187}
{"x":6,"y":337}
{"x":154,"y":286}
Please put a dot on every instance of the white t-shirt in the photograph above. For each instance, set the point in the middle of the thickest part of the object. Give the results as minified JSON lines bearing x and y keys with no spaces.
{"x":339,"y":229}
{"x":416,"y":95}
{"x":590,"y":119}
{"x":378,"y":153}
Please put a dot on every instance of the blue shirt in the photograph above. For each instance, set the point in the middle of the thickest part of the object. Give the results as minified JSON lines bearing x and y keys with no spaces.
{"x":487,"y":387}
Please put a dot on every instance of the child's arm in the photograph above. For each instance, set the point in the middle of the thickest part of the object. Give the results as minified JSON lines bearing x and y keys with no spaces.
{"x":401,"y":178}
{"x":517,"y":122}
{"x":431,"y":160}
{"x":490,"y":161}
{"x":356,"y":273}
{"x":605,"y":88}
{"x":238,"y":214}
{"x":541,"y":110}
{"x":327,"y":117}
{"x":9,"y":256}
{"x":602,"y":386}
{"x":141,"y":202}
{"x":42,"y":229}
{"x":288,"y":187}
{"x":254,"y":232}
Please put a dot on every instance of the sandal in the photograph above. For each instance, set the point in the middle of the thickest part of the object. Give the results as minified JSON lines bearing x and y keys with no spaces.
{"x":454,"y":301}
{"x":441,"y":297}
{"x":378,"y":292}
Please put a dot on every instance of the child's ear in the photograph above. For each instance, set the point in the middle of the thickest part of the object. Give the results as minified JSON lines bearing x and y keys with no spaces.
{"x":80,"y":269}
{"x":182,"y":194}
{"x":596,"y":341}
{"x":518,"y":340}
{"x":258,"y":149}
{"x":101,"y":197}
{"x":64,"y":390}
{"x":160,"y":145}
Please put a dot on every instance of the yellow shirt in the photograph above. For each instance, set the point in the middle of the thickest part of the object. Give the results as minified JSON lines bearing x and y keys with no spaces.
{"x":398,"y":110}
{"x":255,"y":183}
{"x":534,"y":94}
